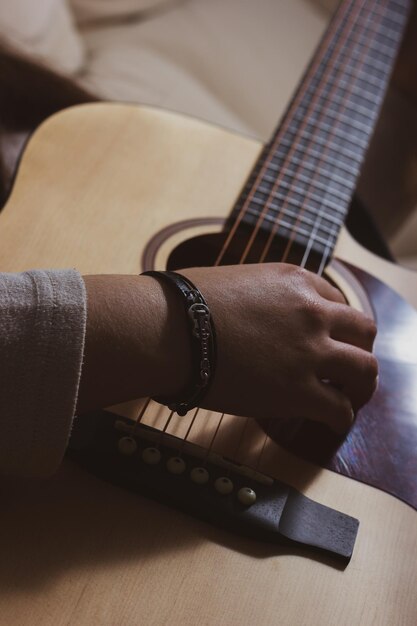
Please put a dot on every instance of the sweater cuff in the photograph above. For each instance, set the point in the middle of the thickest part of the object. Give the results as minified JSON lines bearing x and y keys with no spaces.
{"x":42,"y":331}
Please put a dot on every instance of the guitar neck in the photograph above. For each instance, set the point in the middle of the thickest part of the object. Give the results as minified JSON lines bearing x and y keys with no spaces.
{"x":302,"y":184}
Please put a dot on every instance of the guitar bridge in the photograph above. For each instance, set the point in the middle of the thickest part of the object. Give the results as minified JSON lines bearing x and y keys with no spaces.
{"x":207,"y":485}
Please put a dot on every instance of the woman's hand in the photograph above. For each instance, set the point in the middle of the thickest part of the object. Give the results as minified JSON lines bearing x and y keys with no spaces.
{"x":287,"y":344}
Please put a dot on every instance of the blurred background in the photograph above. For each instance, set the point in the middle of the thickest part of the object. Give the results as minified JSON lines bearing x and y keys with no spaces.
{"x":235,"y":63}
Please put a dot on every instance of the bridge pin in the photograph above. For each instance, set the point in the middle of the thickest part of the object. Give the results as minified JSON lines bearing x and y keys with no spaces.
{"x":223,"y":485}
{"x":199,"y":475}
{"x":246,"y":496}
{"x":127,"y":446}
{"x":151,"y":456}
{"x":176,"y":465}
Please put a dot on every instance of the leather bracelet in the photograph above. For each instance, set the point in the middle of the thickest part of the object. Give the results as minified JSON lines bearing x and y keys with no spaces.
{"x":202,"y":341}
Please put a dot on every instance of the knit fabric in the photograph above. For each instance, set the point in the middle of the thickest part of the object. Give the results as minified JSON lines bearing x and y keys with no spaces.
{"x":42,"y":329}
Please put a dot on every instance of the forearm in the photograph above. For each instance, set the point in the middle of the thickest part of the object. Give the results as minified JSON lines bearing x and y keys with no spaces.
{"x":136,"y":341}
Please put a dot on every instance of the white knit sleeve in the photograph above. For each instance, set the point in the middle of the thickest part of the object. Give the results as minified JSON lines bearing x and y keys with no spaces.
{"x":42,"y":329}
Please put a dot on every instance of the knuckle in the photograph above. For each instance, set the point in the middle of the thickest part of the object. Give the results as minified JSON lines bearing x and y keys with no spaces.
{"x":370,"y":329}
{"x":302,"y":272}
{"x":302,"y":275}
{"x":371,"y":367}
{"x":345,"y":409}
{"x":315,"y":311}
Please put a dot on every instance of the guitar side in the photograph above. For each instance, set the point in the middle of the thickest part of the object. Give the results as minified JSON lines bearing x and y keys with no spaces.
{"x":95,"y":185}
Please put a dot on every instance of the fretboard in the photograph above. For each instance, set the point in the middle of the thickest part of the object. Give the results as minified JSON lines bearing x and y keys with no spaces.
{"x":301,"y":186}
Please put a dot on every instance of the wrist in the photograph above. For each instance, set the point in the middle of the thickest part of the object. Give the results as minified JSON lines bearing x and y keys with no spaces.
{"x":136,"y":341}
{"x":201,"y":340}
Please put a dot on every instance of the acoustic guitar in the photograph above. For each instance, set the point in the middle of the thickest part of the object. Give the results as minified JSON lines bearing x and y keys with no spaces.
{"x":319,"y":530}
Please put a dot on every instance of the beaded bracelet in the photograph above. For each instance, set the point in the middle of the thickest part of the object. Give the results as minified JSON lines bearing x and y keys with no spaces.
{"x":202,"y":339}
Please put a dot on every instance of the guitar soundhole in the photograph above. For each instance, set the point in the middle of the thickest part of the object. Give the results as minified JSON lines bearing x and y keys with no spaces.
{"x":203,"y":251}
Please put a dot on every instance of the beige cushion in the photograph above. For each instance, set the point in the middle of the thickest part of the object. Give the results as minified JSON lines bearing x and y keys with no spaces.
{"x":232,"y":62}
{"x":95,"y":10}
{"x":44,"y":29}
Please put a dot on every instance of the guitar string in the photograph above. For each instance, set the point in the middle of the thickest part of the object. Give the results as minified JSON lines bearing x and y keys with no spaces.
{"x":328,"y":248}
{"x":322,"y":112}
{"x":219,"y":424}
{"x":351,"y":20}
{"x":310,"y":188}
{"x":316,"y":63}
{"x":347,"y":30}
{"x":193,"y":421}
{"x":337,"y":21}
{"x":242,"y":260}
{"x":240,"y":438}
{"x":327,"y":251}
{"x":383,"y":14}
{"x":318,"y":59}
{"x":340,"y":113}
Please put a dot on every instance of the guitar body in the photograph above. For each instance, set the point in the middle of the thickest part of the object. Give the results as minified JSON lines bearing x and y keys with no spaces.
{"x":107,"y":188}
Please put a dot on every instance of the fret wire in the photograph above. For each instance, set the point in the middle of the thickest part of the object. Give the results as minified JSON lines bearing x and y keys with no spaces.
{"x":312,"y":167}
{"x":350,"y":66}
{"x":328,"y":204}
{"x":373,"y":63}
{"x":399,"y":5}
{"x":276,"y":205}
{"x":342,"y":99}
{"x":355,"y":114}
{"x":364,"y":77}
{"x":325,"y":71}
{"x":365,"y":91}
{"x":307,"y":179}
{"x":329,"y":217}
{"x":352,"y":72}
{"x":387,"y":35}
{"x":310,"y":244}
{"x":322,"y":183}
{"x":332,"y":205}
{"x":309,"y":151}
{"x":337,"y":24}
{"x":386,"y":32}
{"x":290,"y":227}
{"x":343,"y":119}
{"x":324,"y":190}
{"x":312,"y":157}
{"x":329,"y":168}
{"x":318,"y":140}
{"x":300,"y":191}
{"x":336,"y":131}
{"x":290,"y":214}
{"x":346,"y":69}
{"x":360,"y":93}
{"x":345,"y":83}
{"x":371,"y":48}
{"x":380,"y":40}
{"x":343,"y":132}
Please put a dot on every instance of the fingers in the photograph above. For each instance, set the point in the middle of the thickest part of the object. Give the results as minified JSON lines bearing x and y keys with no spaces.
{"x":352,"y":370}
{"x":326,"y":290}
{"x":329,"y":406}
{"x":353,"y":327}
